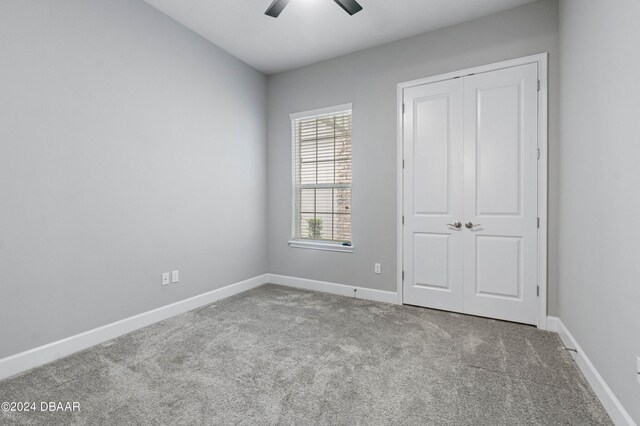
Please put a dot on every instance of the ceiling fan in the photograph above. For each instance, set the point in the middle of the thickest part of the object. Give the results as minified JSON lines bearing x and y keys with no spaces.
{"x":350,"y":6}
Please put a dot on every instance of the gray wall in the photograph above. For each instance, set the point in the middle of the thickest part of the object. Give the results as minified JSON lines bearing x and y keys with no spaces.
{"x":599,"y":239}
{"x":129,"y":146}
{"x":369,"y":79}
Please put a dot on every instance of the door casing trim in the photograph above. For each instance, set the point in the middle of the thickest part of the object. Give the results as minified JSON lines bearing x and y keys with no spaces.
{"x":541,"y":60}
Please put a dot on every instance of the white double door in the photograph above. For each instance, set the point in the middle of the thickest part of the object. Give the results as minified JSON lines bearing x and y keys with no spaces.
{"x":470,"y":241}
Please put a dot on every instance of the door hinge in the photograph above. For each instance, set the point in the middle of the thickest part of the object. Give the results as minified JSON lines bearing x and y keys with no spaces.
{"x":538,"y":290}
{"x":538,"y":153}
{"x":538,"y":223}
{"x":403,"y":108}
{"x":403,"y":219}
{"x":402,"y":275}
{"x":538,"y":85}
{"x":403,"y":164}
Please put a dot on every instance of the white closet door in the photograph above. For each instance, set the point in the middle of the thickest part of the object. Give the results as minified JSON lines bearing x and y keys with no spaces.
{"x":433,"y":193}
{"x":500,"y":194}
{"x":470,"y":239}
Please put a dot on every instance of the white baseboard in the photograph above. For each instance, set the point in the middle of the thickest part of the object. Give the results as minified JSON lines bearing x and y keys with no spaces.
{"x":333,"y":288}
{"x":23,"y":361}
{"x":614,"y":408}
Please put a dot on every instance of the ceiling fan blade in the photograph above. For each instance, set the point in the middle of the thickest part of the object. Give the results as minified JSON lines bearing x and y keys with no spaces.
{"x":276,"y":7}
{"x":350,"y":6}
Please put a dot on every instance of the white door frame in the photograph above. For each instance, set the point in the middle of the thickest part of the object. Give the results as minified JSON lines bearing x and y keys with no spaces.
{"x":541,"y":61}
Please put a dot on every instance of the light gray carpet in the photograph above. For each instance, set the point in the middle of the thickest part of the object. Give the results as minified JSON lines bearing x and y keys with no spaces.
{"x":276,"y":355}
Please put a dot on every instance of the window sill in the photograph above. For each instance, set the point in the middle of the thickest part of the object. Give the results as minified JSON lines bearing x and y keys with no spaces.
{"x":321,"y":245}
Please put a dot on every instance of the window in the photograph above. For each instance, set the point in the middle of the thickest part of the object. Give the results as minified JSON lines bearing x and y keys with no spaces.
{"x":322,"y":179}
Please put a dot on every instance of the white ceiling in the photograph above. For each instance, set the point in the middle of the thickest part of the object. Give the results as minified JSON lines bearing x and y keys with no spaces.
{"x":309,"y":31}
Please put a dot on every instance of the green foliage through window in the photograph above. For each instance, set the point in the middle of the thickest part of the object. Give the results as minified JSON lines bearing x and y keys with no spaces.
{"x":315,"y":228}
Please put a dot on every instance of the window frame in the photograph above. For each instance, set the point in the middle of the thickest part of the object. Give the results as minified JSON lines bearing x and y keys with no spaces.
{"x":304,"y":243}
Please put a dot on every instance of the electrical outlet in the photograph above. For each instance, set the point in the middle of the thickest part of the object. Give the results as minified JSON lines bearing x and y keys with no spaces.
{"x":638,"y":369}
{"x":377,"y":268}
{"x":174,"y":277}
{"x":165,"y":278}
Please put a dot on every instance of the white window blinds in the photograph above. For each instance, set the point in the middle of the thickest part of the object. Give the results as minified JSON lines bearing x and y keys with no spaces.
{"x":322,"y":175}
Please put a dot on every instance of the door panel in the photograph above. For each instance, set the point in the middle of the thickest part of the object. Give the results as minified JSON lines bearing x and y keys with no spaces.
{"x":500,"y":148}
{"x":431,"y":254}
{"x":431,"y":155}
{"x":498,"y":266}
{"x":433,"y":195}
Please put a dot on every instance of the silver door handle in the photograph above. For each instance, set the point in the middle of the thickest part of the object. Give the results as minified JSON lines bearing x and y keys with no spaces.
{"x":456,"y":225}
{"x":470,"y":225}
